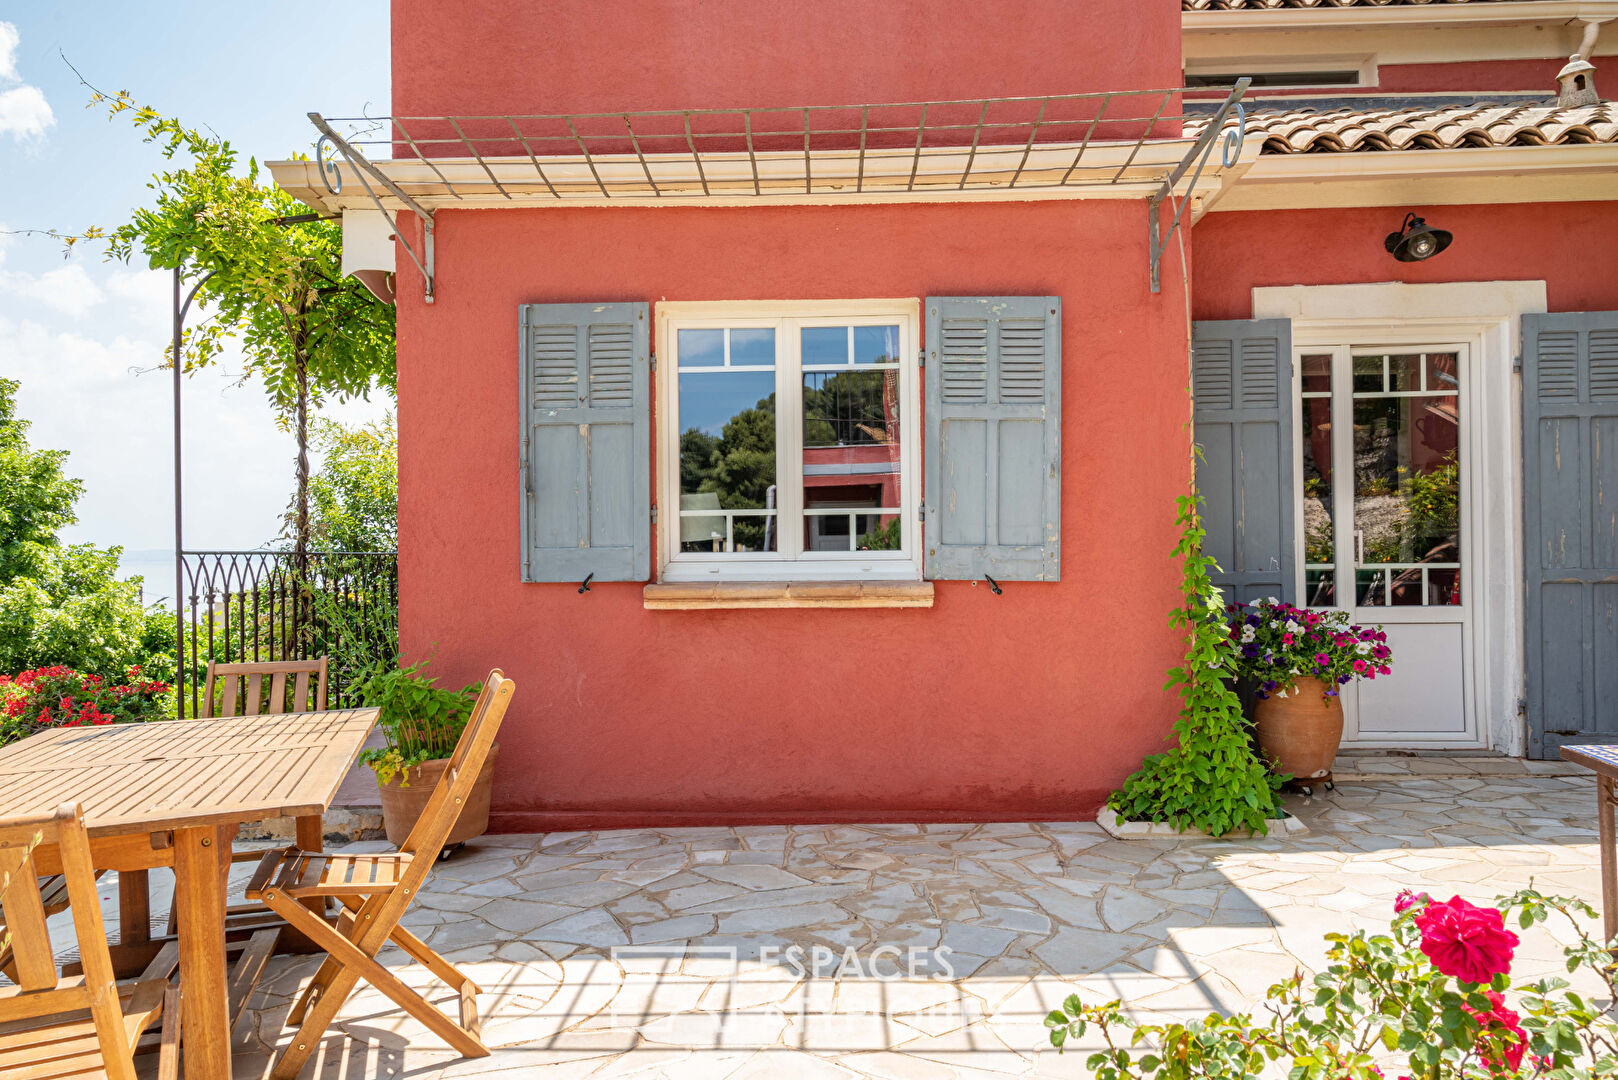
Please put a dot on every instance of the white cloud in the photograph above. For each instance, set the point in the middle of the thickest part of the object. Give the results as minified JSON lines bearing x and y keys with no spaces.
{"x":9,"y":40}
{"x":68,"y":289}
{"x":24,"y":113}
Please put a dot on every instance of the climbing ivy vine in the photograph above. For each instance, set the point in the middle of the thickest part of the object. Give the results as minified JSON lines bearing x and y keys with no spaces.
{"x":1211,"y":779}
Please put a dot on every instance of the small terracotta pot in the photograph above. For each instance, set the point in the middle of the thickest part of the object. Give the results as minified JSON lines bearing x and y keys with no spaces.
{"x":402,"y":805}
{"x":1300,"y":733}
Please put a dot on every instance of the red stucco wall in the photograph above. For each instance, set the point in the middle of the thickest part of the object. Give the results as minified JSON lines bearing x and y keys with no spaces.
{"x":1572,"y":247}
{"x":551,"y":56}
{"x":1033,"y":704}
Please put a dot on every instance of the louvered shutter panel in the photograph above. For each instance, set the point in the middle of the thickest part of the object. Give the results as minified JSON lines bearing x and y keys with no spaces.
{"x":994,"y":438}
{"x":586,"y":442}
{"x":1241,"y":386}
{"x":1570,"y":528}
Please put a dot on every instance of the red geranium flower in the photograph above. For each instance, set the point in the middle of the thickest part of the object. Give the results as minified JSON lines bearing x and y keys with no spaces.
{"x":1464,"y":941}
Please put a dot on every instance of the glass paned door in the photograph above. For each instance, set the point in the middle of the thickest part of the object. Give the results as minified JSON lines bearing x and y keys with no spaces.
{"x":1384,"y":530}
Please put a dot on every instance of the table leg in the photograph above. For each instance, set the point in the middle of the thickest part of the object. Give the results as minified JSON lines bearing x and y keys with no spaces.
{"x":199,"y":897}
{"x":134,"y":908}
{"x":1609,"y":855}
{"x":309,"y":835}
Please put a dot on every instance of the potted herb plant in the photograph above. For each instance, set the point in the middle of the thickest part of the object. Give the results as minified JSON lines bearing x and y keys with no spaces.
{"x":1296,"y":661}
{"x":422,"y":723}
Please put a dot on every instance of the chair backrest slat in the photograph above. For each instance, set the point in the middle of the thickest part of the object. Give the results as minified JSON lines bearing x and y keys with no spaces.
{"x":471,"y":751}
{"x":278,"y":694}
{"x":99,"y":978}
{"x":291,"y":685}
{"x":25,"y":920}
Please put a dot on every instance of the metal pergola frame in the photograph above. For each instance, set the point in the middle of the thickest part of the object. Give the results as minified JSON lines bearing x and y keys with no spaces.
{"x":1114,"y":144}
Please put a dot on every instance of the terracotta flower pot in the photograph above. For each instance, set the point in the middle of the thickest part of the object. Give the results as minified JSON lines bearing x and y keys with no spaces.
{"x":1300,"y":733}
{"x":402,"y":805}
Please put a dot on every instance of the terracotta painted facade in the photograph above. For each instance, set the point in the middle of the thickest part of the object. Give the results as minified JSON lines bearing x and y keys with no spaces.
{"x":1570,"y":246}
{"x":1029,"y":705}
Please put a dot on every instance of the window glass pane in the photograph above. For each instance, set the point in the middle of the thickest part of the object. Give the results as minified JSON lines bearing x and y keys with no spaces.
{"x":752,"y":346}
{"x":727,"y":460}
{"x":1441,"y":372}
{"x":1317,"y":374}
{"x":1319,"y":534}
{"x":876,"y":345}
{"x":1368,"y":588}
{"x":1407,"y":493}
{"x":1320,"y":588}
{"x":701,"y":348}
{"x":1368,"y":375}
{"x":1404,"y":371}
{"x":824,"y":345}
{"x":1443,"y":587}
{"x":851,"y":460}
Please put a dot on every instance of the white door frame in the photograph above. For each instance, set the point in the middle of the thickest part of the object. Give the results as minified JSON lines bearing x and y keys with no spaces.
{"x":1486,"y":316}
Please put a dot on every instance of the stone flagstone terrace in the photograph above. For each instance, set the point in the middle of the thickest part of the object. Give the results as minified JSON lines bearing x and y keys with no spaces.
{"x":608,"y":954}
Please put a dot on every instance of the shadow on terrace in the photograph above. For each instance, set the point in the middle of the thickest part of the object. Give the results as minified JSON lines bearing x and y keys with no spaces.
{"x":612,"y":951}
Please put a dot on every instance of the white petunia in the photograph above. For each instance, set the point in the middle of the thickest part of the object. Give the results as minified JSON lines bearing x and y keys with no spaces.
{"x":1248,"y":634}
{"x":1292,"y":626}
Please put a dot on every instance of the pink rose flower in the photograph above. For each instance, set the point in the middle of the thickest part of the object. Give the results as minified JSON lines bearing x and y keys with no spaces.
{"x":1407,"y":900}
{"x":1464,"y":941}
{"x":1500,"y":1034}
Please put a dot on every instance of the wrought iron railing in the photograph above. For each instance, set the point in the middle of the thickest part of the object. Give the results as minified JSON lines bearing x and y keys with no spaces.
{"x":258,"y":606}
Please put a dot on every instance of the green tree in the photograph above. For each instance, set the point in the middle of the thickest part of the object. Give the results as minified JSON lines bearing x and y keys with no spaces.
{"x":265,"y":271}
{"x":36,"y":499}
{"x":354,"y":498}
{"x":58,"y":605}
{"x":739,"y":465}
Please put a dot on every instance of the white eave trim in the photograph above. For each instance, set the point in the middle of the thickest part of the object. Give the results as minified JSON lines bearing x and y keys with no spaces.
{"x":1502,"y":13}
{"x":1502,"y":174}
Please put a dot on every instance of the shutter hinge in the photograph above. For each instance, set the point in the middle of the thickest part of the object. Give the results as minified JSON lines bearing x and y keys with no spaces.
{"x":654,"y":513}
{"x":1522,"y":706}
{"x":921,"y":358}
{"x":652,"y":359}
{"x":921,"y":512}
{"x":1516,"y":364}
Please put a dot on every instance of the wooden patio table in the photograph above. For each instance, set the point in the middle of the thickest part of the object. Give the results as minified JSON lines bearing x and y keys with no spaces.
{"x":173,"y":793}
{"x":1603,"y":761}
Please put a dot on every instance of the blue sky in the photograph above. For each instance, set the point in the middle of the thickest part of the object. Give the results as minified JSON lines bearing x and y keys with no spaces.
{"x":85,"y":336}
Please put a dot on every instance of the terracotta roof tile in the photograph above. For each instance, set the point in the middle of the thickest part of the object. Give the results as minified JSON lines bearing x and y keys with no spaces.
{"x":1271,"y":5}
{"x":1307,"y":131}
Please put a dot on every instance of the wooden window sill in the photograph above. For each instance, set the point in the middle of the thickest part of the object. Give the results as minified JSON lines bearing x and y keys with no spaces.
{"x":705,"y":595}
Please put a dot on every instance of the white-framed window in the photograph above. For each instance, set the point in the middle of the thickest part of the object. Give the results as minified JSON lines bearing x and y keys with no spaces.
{"x":1272,"y":73}
{"x":788,"y":439}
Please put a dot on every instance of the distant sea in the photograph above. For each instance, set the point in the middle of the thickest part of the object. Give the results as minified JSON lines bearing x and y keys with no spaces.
{"x":156,"y":567}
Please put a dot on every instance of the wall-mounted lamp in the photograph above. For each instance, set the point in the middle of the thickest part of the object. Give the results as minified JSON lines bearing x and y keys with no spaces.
{"x":368,"y":252}
{"x":1416,"y":240}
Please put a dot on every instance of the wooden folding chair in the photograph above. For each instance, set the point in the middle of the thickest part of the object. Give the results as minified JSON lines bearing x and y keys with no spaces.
{"x":87,"y":1025}
{"x":375,"y":891}
{"x":226,"y":680}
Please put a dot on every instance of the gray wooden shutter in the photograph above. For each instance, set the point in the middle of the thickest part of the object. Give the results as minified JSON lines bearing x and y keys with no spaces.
{"x":1570,"y":527}
{"x":586,"y":442}
{"x":994,"y":437}
{"x":1241,"y":385}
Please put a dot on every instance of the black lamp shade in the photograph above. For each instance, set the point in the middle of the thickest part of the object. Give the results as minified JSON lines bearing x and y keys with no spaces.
{"x":1416,"y":240}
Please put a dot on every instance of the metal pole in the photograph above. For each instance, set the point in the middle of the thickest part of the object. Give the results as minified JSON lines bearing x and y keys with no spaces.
{"x":180,"y":308}
{"x":179,"y":539}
